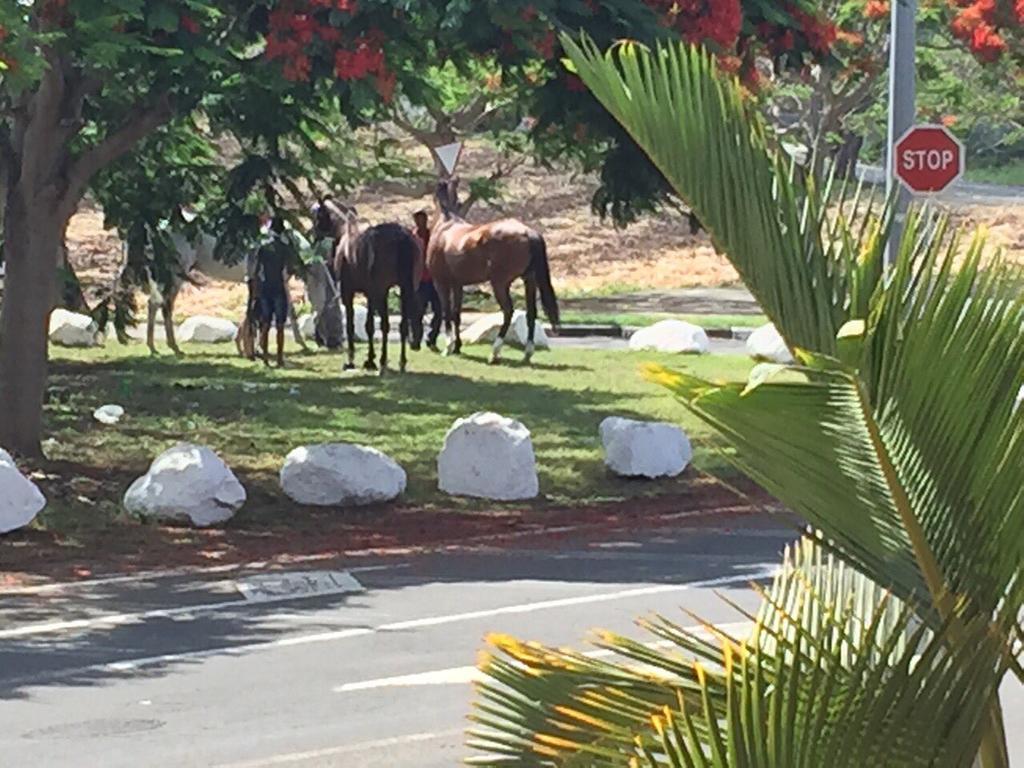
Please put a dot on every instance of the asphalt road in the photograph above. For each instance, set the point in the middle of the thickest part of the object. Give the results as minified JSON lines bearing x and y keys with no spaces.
{"x":225,"y":669}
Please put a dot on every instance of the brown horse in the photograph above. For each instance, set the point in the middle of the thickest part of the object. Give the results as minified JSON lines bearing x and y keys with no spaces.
{"x":371,"y":262}
{"x":462,"y":254}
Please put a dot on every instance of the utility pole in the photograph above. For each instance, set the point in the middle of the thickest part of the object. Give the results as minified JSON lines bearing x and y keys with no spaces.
{"x":902,"y":105}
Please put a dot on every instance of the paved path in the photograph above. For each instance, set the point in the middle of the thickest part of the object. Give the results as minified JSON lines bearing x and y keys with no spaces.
{"x":182,"y":670}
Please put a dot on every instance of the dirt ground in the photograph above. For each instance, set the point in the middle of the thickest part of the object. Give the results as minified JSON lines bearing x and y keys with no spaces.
{"x":35,"y":556}
{"x":587,"y":255}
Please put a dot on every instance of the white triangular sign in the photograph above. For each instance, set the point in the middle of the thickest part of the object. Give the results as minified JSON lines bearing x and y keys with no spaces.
{"x":449,"y":156}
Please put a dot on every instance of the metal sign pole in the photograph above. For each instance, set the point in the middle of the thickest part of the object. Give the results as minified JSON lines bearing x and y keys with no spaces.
{"x":902,"y":105}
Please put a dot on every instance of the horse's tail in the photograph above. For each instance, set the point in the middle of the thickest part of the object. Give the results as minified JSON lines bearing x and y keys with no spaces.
{"x":542,"y":273}
{"x":410,"y":271}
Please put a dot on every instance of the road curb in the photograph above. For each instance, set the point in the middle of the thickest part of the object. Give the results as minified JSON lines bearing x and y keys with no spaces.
{"x":580,"y":330}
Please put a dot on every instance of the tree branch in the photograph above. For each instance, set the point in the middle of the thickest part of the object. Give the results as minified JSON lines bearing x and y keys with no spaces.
{"x":468,"y":116}
{"x":427,"y":138}
{"x":142,"y":122}
{"x":499,"y":173}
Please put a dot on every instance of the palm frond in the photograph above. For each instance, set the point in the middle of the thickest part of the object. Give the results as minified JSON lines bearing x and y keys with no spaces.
{"x":810,"y":252}
{"x":833,"y":672}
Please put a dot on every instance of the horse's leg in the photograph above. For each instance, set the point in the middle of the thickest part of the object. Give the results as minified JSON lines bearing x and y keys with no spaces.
{"x":457,"y":319}
{"x":151,"y":309}
{"x":504,"y":299}
{"x":371,"y":357}
{"x":168,"y":312}
{"x":385,"y":329}
{"x":293,"y":319}
{"x":444,"y":293}
{"x":350,"y":330}
{"x":531,"y":315}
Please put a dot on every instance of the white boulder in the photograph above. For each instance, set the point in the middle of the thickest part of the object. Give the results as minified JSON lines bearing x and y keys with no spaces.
{"x":20,"y":498}
{"x":359,"y":312}
{"x":644,"y":448}
{"x":108,"y":414}
{"x":188,"y":483}
{"x":766,"y":343}
{"x":488,"y":456}
{"x":70,"y":329}
{"x":340,"y":474}
{"x":307,"y":325}
{"x":207,"y":330}
{"x":671,"y":336}
{"x":485,"y":331}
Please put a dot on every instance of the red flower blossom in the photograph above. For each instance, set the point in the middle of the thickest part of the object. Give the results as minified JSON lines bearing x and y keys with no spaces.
{"x":546,"y":45}
{"x":877,"y":9}
{"x":386,"y":82}
{"x":188,"y":24}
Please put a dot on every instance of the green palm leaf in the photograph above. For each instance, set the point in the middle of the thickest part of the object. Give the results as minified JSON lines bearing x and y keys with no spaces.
{"x":834,"y":672}
{"x":903,"y":445}
{"x":810,"y":254}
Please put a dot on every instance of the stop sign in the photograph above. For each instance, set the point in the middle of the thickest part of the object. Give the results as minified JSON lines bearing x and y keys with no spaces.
{"x":929,"y":158}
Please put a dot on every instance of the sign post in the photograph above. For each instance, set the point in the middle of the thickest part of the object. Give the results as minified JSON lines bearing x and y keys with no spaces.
{"x":902,"y":104}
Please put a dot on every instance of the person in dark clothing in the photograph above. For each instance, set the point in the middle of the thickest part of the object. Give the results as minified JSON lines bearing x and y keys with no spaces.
{"x":272,"y":290}
{"x":428,"y":295}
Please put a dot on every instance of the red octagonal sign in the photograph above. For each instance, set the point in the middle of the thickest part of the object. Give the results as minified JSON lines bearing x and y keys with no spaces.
{"x":929,"y":158}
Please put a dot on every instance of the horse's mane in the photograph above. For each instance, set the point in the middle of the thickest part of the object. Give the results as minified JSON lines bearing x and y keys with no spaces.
{"x":338,"y":212}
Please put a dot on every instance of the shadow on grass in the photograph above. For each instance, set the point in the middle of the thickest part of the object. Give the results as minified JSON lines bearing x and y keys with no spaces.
{"x":255,"y":416}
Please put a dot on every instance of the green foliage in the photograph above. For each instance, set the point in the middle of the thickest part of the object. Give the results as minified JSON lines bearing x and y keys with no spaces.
{"x":899,"y":442}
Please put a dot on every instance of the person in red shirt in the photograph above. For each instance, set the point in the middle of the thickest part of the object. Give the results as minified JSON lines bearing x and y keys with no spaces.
{"x":428,"y":295}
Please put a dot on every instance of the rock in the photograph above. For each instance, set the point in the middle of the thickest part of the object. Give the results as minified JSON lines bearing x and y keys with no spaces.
{"x":485,"y":331}
{"x":188,"y":483}
{"x":70,"y":329}
{"x":307,"y":325}
{"x":108,"y":414}
{"x":671,"y":336}
{"x":360,"y":322}
{"x":20,"y":498}
{"x":207,"y":330}
{"x":766,"y":343}
{"x":488,"y":456}
{"x":644,"y":448}
{"x":340,"y":474}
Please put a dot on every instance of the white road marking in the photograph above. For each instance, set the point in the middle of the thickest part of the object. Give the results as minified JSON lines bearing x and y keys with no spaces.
{"x":131,"y":665}
{"x":450,"y":676}
{"x":273,"y":587}
{"x":59,"y":586}
{"x":348,"y":749}
{"x":466,"y":675}
{"x":350,"y":585}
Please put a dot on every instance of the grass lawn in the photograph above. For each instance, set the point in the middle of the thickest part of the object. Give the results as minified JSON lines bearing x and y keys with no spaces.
{"x":254,"y":416}
{"x":1010,"y":174}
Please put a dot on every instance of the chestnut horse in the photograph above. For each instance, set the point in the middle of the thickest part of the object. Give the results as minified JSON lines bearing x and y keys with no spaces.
{"x":371,"y":262}
{"x":462,"y":254}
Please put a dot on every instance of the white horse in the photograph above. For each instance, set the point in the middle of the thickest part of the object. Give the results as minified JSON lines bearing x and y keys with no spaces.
{"x":198,"y":256}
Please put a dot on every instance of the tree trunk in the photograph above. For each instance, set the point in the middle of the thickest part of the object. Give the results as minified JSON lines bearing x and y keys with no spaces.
{"x":33,"y":233}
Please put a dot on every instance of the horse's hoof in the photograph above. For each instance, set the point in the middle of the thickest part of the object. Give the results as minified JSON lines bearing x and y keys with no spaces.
{"x":384,"y":371}
{"x":494,"y":360}
{"x":179,"y":354}
{"x":349,"y":367}
{"x":369,"y":365}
